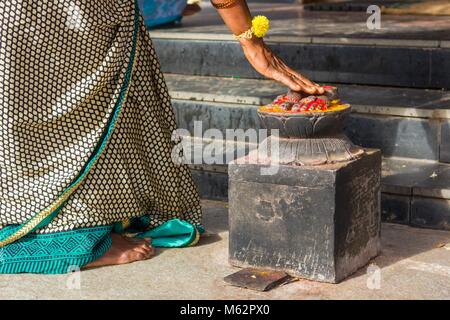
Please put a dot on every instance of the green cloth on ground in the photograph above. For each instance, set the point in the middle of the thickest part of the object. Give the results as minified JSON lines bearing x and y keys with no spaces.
{"x":64,"y":252}
{"x":55,"y":253}
{"x":174,"y":233}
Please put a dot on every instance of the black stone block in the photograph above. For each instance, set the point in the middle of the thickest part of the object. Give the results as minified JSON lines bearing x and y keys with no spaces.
{"x":440,"y":66}
{"x":444,"y":155}
{"x":361,"y":64}
{"x":430,"y":213}
{"x":436,"y":185}
{"x":320,"y":223}
{"x":211,"y":185}
{"x":215,"y":116}
{"x":396,"y":136}
{"x":395,"y":208}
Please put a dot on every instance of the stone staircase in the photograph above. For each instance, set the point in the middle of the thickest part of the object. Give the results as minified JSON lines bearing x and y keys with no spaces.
{"x":393,"y":81}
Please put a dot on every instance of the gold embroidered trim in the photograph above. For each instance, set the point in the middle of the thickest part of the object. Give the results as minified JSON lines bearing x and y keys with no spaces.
{"x":197,"y":238}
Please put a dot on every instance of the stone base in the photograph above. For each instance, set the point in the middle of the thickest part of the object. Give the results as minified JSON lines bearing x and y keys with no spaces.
{"x":315,"y":222}
{"x":311,"y":151}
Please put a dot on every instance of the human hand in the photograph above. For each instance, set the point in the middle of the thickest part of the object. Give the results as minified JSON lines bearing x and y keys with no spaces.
{"x":269,"y":65}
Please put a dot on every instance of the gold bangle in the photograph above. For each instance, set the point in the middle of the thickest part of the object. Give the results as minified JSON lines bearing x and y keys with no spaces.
{"x":224,"y":5}
{"x":245,"y":35}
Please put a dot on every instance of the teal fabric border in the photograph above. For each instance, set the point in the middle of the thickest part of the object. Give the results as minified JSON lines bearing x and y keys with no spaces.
{"x":61,"y":252}
{"x":174,"y":233}
{"x":55,"y":253}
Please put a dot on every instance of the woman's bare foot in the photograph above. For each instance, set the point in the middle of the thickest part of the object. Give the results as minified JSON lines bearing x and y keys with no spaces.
{"x":124,"y":250}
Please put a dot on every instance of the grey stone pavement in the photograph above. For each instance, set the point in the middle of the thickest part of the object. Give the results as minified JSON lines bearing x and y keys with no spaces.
{"x":414,"y":264}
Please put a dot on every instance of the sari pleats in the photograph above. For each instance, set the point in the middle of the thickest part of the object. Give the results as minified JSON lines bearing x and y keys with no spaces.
{"x":85,"y":135}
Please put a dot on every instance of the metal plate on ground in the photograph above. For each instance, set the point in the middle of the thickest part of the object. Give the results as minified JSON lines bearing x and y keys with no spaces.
{"x":258,"y":279}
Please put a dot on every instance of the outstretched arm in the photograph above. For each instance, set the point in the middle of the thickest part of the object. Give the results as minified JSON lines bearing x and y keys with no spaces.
{"x":238,"y":19}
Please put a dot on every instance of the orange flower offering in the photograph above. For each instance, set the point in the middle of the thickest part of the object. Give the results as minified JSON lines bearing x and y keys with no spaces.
{"x":294,"y":102}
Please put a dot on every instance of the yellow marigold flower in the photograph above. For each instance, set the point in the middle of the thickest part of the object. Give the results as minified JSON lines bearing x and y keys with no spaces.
{"x":260,"y":26}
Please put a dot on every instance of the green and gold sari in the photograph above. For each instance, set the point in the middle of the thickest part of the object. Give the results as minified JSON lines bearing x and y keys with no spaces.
{"x":85,"y":141}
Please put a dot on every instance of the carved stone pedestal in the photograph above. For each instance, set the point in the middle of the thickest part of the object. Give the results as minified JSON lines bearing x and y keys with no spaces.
{"x":316,"y":222}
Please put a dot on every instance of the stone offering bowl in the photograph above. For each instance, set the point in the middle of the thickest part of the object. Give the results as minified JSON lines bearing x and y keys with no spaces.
{"x":305,"y":125}
{"x":309,"y":138}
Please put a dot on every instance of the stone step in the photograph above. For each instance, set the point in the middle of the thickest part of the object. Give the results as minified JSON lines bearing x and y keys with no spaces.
{"x":414,"y":192}
{"x":370,"y":61}
{"x":410,"y":123}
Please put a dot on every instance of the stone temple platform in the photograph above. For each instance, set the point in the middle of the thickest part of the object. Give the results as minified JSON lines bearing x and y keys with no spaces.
{"x":414,"y":264}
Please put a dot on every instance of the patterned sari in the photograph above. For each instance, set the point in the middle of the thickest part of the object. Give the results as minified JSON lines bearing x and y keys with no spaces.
{"x":85,"y":137}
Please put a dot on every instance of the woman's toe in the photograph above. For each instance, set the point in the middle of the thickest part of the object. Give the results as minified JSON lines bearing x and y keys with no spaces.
{"x":146,"y":246}
{"x":137,"y":256}
{"x":142,"y":249}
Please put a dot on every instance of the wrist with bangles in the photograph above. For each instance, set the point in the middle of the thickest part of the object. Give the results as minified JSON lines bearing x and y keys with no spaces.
{"x":224,"y":4}
{"x":260,"y":24}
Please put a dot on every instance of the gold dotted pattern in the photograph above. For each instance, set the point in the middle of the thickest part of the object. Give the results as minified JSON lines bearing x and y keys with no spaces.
{"x":62,"y":67}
